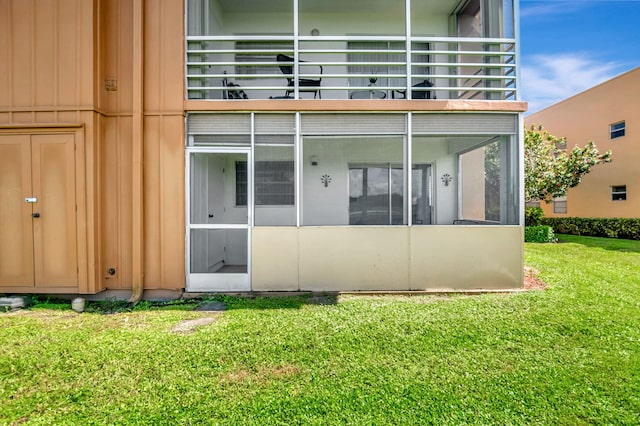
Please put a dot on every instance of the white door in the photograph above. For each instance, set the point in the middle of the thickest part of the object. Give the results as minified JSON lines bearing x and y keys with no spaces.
{"x":218,"y":220}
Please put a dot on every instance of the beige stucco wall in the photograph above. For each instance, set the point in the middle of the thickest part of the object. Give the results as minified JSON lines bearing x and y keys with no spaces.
{"x":466,"y":257}
{"x":372,"y":258}
{"x":274,"y":263}
{"x":586,"y":117}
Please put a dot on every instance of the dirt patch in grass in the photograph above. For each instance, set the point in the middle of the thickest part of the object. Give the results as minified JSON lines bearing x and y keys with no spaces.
{"x":531,"y":280}
{"x":189,"y":326}
{"x":262,"y":375}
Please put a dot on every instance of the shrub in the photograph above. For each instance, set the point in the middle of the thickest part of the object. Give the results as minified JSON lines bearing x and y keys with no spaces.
{"x":626,"y":228}
{"x":532,"y":216}
{"x":539,"y":234}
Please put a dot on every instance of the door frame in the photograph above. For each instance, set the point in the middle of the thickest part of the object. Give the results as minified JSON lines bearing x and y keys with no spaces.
{"x":217,"y":282}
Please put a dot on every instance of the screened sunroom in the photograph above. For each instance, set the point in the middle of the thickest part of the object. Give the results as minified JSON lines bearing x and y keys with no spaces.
{"x":352,"y":201}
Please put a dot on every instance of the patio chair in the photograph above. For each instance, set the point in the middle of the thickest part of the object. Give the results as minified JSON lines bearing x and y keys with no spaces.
{"x":232,"y":93}
{"x":415,"y":94}
{"x":304,"y":84}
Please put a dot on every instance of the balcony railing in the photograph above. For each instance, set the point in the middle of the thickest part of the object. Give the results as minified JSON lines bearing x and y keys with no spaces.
{"x":269,"y":67}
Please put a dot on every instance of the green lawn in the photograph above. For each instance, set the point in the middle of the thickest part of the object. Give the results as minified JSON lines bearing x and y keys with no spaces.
{"x":568,"y":355}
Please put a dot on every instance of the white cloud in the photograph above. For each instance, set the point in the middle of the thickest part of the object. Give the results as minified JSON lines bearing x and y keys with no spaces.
{"x":550,"y":8}
{"x":547,"y":79}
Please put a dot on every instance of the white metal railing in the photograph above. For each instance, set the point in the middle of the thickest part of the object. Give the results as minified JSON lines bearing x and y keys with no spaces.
{"x":371,"y":67}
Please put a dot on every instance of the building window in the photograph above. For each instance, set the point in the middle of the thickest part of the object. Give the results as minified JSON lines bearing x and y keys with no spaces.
{"x":274,"y":183}
{"x":389,"y":59}
{"x":617,"y":129}
{"x":375,"y":195}
{"x":619,"y":193}
{"x":560,"y":205}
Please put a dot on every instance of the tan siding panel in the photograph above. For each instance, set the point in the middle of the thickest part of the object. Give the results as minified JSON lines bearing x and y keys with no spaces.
{"x":172,"y":33}
{"x":5,"y":52}
{"x":173,"y":208}
{"x":21,"y":52}
{"x":152,"y":204}
{"x":110,"y":204}
{"x":45,"y":53}
{"x":124,"y":43}
{"x":45,"y":117}
{"x":67,"y":53}
{"x":87,"y":45}
{"x":153,"y":64}
{"x":22,"y":117}
{"x":109,"y":39}
{"x":164,"y":38}
{"x":87,"y":181}
{"x":124,"y":175}
{"x":164,"y":202}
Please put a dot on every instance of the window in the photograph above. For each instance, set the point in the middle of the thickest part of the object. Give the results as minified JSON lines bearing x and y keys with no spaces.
{"x":241,"y":183}
{"x":386,"y":58}
{"x":560,"y":205}
{"x":382,"y":52}
{"x":375,"y":194}
{"x":274,"y":183}
{"x":617,"y":129}
{"x":619,"y":193}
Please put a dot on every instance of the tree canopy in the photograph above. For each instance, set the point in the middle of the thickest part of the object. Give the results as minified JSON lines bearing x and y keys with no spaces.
{"x":550,"y":169}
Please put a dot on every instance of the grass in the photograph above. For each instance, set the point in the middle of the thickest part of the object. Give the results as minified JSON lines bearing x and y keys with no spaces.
{"x":568,"y":355}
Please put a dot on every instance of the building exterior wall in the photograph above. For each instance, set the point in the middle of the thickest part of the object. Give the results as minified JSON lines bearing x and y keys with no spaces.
{"x":72,"y":64}
{"x":587,"y":116}
{"x":111,"y":73}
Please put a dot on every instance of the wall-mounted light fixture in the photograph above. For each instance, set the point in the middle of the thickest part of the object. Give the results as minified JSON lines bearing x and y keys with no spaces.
{"x":325,"y":179}
{"x":314,"y":160}
{"x":446,"y":179}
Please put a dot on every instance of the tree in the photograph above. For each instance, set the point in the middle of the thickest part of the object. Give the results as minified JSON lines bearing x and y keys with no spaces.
{"x":550,"y":170}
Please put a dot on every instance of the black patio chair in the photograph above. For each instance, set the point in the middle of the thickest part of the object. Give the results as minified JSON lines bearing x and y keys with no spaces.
{"x":232,"y":90}
{"x":304,"y":84}
{"x":416,"y":94}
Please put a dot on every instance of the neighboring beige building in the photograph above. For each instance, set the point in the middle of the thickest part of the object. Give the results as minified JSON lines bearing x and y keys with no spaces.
{"x":608,"y":114}
{"x":253,"y":145}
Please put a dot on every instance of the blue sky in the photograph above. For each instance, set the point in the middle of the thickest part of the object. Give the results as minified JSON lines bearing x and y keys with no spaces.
{"x":568,"y":46}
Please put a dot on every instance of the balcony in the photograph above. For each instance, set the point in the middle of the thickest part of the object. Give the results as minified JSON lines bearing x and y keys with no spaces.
{"x":300,"y":49}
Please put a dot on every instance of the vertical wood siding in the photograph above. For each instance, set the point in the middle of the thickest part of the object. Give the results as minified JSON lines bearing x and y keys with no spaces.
{"x":56,"y":57}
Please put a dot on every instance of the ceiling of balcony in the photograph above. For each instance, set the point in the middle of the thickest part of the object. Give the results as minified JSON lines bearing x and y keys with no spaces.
{"x":336,"y":6}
